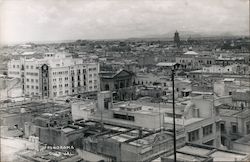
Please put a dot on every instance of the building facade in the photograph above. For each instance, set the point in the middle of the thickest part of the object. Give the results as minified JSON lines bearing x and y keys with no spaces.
{"x":55,"y":75}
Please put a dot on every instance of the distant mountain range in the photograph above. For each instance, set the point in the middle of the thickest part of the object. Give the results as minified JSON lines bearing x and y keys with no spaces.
{"x":186,"y":34}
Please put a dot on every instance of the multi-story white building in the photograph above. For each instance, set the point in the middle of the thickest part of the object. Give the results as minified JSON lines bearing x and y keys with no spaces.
{"x":57,"y":74}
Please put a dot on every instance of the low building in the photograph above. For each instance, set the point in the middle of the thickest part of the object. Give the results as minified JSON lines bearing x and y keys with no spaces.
{"x":234,"y":124}
{"x":194,"y":152}
{"x":82,"y":110}
{"x":199,"y":120}
{"x":132,"y":145}
{"x":127,"y":113}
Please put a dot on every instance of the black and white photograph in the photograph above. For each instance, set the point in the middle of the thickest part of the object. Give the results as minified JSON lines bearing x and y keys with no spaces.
{"x":124,"y":80}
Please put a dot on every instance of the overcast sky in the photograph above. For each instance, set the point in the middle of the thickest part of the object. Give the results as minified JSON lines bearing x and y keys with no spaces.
{"x":49,"y":20}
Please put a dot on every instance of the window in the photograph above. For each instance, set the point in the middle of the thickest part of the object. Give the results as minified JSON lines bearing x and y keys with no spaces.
{"x":27,"y":80}
{"x":90,"y":75}
{"x":248,"y":127}
{"x":230,"y":93}
{"x":66,"y":78}
{"x":36,"y":80}
{"x":31,"y":66}
{"x":193,"y":136}
{"x":106,"y":87}
{"x":222,"y":127}
{"x":28,"y":86}
{"x":32,"y":80}
{"x":32,"y":87}
{"x":55,"y":93}
{"x":66,"y":85}
{"x":36,"y":87}
{"x":234,"y":127}
{"x":124,"y":117}
{"x":207,"y":130}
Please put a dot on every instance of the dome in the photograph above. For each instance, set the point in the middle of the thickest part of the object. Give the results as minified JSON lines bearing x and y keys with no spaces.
{"x":191,"y":53}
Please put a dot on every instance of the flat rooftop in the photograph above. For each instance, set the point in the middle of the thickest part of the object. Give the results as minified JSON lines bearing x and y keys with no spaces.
{"x":228,"y":112}
{"x":235,"y":113}
{"x":182,"y":121}
{"x":226,"y":156}
{"x":186,"y":157}
{"x":197,"y":151}
{"x":148,"y":140}
{"x":244,"y":140}
{"x":194,"y":150}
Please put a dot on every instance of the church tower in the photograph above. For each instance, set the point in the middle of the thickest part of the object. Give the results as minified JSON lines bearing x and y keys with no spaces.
{"x":177,"y":41}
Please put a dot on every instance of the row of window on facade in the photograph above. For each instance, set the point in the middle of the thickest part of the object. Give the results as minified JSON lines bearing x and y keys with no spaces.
{"x":234,"y":127}
{"x":195,"y":135}
{"x":14,"y":72}
{"x":32,"y":87}
{"x":150,"y":82}
{"x":60,"y":86}
{"x":27,"y":66}
{"x":61,"y":93}
{"x":92,"y":69}
{"x":60,"y":73}
{"x":32,"y":74}
{"x":73,"y":85}
{"x":32,"y":80}
{"x":78,"y":71}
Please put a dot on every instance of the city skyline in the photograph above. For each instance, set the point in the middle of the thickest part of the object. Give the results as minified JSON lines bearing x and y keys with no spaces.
{"x":41,"y":21}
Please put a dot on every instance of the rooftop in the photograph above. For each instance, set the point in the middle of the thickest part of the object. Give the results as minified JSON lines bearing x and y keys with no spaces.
{"x":182,"y":121}
{"x":191,"y":53}
{"x":235,"y":113}
{"x":166,"y":64}
{"x":244,"y":140}
{"x":195,"y":150}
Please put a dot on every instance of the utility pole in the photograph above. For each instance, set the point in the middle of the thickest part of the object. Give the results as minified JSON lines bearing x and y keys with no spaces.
{"x":173,"y":73}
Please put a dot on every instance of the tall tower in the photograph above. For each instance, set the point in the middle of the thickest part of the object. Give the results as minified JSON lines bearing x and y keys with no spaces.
{"x":177,"y":41}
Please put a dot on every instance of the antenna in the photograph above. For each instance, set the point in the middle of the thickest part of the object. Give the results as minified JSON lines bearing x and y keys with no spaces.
{"x":173,"y":73}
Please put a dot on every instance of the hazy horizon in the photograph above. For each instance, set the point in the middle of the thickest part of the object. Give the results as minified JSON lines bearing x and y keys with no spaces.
{"x":52,"y":20}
